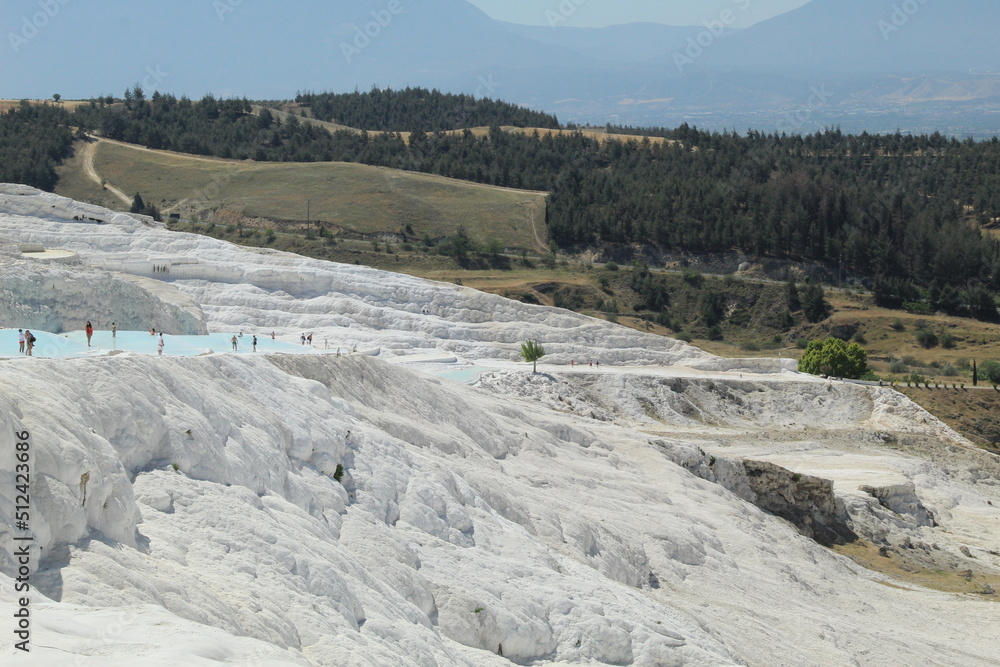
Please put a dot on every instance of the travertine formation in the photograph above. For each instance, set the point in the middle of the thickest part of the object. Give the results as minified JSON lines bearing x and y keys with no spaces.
{"x":357,"y":510}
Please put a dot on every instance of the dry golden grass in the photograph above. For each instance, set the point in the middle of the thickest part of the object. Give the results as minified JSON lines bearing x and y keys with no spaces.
{"x":866,"y":554}
{"x":973,"y":339}
{"x":353,"y":197}
{"x":73,"y":181}
{"x":66,"y":104}
{"x":973,"y":412}
{"x":295,"y":110}
{"x":589,"y":132}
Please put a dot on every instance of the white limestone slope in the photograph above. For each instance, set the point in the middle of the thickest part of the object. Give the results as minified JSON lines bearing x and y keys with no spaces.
{"x":575,"y":543}
{"x":185,"y":510}
{"x":263,"y":290}
{"x":58,"y":298}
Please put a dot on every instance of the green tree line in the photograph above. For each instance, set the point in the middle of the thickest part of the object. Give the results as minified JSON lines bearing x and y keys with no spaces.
{"x":413,"y":109}
{"x":906,"y":212}
{"x":34,"y":140}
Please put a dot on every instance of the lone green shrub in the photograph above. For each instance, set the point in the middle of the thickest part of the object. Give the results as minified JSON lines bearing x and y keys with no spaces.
{"x":836,"y":358}
{"x":927,"y":339}
{"x":990,"y":371}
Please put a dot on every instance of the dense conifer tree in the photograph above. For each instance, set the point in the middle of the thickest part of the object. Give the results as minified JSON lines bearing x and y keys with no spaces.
{"x":903,"y":211}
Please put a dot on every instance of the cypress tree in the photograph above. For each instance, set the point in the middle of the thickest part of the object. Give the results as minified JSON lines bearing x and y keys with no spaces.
{"x":794,"y":303}
{"x":138,"y":205}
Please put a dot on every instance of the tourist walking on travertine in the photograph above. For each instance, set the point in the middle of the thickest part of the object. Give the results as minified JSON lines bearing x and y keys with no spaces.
{"x":303,"y":339}
{"x":29,"y":341}
{"x":160,"y":345}
{"x":310,"y":339}
{"x":255,"y":343}
{"x":114,"y":330}
{"x":20,"y":341}
{"x":236,"y":343}
{"x":90,"y":332}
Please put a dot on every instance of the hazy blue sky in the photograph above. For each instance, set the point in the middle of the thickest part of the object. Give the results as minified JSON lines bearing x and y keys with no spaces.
{"x":596,"y":13}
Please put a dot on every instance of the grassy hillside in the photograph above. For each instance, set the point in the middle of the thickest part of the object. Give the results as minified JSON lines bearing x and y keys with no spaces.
{"x":69,"y":105}
{"x":590,"y":132}
{"x":975,"y":413}
{"x":348,"y":198}
{"x":891,"y":333}
{"x":598,"y":133}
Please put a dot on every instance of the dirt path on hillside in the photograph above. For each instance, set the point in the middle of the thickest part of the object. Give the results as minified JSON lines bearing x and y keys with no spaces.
{"x":87,"y":160}
{"x":189,"y":156}
{"x":533,"y":213}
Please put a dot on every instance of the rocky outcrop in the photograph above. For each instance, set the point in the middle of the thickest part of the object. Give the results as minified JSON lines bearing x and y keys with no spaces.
{"x":807,"y":502}
{"x":902,"y":499}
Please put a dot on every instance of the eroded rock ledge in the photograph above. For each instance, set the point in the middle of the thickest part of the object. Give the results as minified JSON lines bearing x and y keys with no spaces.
{"x":807,"y":502}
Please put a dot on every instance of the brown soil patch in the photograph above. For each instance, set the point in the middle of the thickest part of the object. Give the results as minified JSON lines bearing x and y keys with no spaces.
{"x":867,"y":555}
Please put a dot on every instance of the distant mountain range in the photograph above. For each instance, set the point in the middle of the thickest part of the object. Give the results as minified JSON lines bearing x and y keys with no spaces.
{"x":630,"y":43}
{"x":862,"y":64}
{"x":914,"y":37}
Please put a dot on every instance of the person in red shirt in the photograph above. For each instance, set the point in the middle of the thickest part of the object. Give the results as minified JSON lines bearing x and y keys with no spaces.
{"x":90,"y":332}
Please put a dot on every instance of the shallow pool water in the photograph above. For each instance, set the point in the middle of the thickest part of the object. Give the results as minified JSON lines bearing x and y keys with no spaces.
{"x":74,"y":344}
{"x":465,"y":375}
{"x":47,"y":345}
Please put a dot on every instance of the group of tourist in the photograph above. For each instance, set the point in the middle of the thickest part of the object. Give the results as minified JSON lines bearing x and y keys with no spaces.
{"x":25,"y":341}
{"x":236,"y":343}
{"x":89,"y":329}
